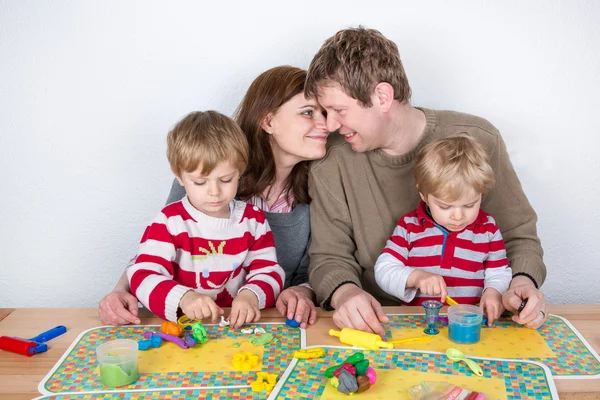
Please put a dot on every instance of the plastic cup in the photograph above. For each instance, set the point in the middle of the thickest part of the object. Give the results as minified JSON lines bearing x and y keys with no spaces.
{"x":118,"y":361}
{"x":464,"y":323}
{"x":432,"y":312}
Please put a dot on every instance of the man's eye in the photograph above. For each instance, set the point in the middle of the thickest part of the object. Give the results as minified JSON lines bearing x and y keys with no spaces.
{"x":199,"y":183}
{"x":470,"y":206}
{"x":444,"y":208}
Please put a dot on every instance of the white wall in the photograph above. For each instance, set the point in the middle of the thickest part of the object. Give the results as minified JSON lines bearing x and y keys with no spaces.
{"x":88,"y":91}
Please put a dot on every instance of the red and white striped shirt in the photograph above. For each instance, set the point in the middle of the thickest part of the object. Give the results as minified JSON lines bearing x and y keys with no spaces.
{"x":470,"y":261}
{"x":185,"y":249}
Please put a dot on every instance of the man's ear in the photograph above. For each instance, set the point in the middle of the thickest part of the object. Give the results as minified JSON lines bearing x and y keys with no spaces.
{"x":179,"y":180}
{"x":422,"y":197}
{"x":384,"y":95}
{"x":267,"y":123}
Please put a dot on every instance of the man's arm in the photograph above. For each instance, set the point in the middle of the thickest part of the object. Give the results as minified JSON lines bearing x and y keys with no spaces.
{"x":516,"y":218}
{"x":332,"y":247}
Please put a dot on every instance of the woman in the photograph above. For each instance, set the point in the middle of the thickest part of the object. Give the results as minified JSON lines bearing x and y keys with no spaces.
{"x":285,"y":131}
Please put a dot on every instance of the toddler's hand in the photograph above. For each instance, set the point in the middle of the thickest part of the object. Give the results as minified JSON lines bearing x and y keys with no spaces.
{"x":199,"y":306}
{"x":244,"y":309}
{"x":428,"y":283}
{"x":491,"y":304}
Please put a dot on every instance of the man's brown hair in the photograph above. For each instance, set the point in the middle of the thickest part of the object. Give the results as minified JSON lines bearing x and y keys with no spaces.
{"x":357,"y":59}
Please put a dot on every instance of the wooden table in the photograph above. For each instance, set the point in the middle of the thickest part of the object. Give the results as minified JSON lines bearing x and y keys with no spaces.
{"x":20,"y":375}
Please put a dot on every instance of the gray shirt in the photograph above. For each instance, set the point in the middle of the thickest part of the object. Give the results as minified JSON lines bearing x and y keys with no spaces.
{"x":291,"y":232}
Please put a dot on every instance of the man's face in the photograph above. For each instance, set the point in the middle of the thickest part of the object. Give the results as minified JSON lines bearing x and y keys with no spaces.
{"x":361,"y":127}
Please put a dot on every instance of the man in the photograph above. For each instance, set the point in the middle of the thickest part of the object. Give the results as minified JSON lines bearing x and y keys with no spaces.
{"x":365,"y":182}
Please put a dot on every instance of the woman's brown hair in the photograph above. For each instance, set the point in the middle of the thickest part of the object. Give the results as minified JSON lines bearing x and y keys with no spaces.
{"x":269,"y":91}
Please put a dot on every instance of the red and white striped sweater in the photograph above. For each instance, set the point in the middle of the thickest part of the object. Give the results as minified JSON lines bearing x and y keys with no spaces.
{"x":185,"y":249}
{"x":470,"y":260}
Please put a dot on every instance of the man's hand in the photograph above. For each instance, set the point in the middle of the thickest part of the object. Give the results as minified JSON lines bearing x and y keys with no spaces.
{"x":428,"y":283}
{"x":119,"y":308}
{"x":357,"y":309}
{"x":535,"y":312}
{"x":200,"y":306}
{"x":244,"y":309}
{"x":296,"y":302}
{"x":491,"y":304}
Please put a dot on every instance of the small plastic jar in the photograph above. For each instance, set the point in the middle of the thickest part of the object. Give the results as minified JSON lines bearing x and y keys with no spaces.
{"x":464,"y":323}
{"x":118,"y":361}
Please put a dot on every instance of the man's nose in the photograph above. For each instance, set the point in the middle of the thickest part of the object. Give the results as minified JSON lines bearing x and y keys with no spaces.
{"x":332,"y":123}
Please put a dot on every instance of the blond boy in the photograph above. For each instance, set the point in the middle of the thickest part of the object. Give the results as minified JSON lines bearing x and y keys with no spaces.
{"x":448,"y":245}
{"x":207,"y":250}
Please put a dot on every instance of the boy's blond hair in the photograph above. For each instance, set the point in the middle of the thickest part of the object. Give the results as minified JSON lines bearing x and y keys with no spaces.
{"x":449,"y":167}
{"x":357,"y":59}
{"x":203,"y":139}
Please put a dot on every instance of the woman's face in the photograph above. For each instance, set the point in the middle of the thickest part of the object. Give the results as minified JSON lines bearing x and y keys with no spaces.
{"x":298,"y":131}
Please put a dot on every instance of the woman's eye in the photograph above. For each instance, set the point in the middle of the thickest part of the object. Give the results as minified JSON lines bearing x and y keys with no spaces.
{"x":308,"y":113}
{"x":226,"y":180}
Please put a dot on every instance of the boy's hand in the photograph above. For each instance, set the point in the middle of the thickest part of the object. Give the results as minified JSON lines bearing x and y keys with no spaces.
{"x":296,"y":302}
{"x":200,"y":306}
{"x":244,"y":309}
{"x":491,"y":304}
{"x":428,"y":283}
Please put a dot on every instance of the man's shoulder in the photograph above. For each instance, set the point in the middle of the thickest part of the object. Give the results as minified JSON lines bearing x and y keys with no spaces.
{"x":453,"y":122}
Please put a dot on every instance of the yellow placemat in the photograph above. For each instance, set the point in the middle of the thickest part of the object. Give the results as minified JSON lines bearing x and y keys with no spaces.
{"x":395,"y":384}
{"x":494,"y":343}
{"x":213,"y":356}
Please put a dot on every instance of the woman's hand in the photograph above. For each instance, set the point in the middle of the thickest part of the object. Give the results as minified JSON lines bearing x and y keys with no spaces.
{"x":297,"y":302}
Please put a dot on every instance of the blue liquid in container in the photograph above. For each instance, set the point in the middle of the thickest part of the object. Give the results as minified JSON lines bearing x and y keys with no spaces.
{"x":465,"y":329}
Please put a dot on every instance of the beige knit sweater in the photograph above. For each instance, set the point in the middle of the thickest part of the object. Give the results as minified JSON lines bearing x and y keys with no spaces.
{"x":357,"y":199}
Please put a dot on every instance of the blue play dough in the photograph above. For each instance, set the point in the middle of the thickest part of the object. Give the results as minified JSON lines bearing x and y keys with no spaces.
{"x":465,"y":333}
{"x":292,"y":322}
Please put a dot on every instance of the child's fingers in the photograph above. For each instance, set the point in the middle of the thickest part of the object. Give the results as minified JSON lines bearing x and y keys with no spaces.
{"x":206,"y":313}
{"x":444,"y":290}
{"x":215,"y":312}
{"x":490,"y":314}
{"x":241,"y":317}
{"x":249,"y":316}
{"x":256,"y":316}
{"x":233,"y":316}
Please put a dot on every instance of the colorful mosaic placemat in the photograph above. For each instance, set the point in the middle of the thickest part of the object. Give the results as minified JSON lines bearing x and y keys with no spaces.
{"x":557,"y":344}
{"x":76,"y":371}
{"x":521,"y":379}
{"x":244,"y":393}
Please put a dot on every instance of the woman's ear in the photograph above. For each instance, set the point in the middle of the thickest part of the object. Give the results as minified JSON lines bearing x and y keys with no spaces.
{"x":267,"y":123}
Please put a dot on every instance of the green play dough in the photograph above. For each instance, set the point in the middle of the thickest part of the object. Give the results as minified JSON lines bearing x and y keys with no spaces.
{"x":261,"y":340}
{"x":113,"y":376}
